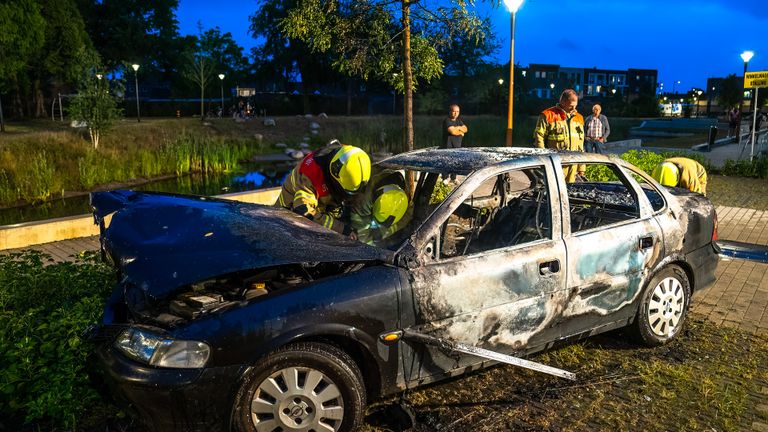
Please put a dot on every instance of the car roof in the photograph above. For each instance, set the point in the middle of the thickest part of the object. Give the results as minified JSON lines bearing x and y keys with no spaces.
{"x":459,"y":160}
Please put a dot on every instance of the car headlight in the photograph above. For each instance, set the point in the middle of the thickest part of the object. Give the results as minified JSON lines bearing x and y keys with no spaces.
{"x":158,"y":351}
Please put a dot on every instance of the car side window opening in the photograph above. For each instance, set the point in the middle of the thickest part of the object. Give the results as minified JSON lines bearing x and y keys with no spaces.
{"x":653,"y":194}
{"x":603,"y":199}
{"x":508,"y":209}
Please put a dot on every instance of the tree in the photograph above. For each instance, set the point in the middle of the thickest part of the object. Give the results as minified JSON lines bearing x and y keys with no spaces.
{"x":730,"y":92}
{"x":96,"y":105}
{"x":280,"y":59}
{"x":226,"y":54}
{"x":384,"y":39}
{"x":62,"y":61}
{"x":21,"y":34}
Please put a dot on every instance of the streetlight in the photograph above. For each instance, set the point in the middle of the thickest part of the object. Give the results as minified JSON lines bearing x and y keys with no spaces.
{"x":501,"y":81}
{"x":746,"y":56}
{"x":513,"y":6}
{"x":598,"y":90}
{"x":501,"y":109}
{"x":613,"y":91}
{"x":221,"y":80}
{"x":674,"y":83}
{"x":136,"y":83}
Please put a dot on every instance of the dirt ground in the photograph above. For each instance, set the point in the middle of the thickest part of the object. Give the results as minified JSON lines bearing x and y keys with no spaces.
{"x":709,"y":379}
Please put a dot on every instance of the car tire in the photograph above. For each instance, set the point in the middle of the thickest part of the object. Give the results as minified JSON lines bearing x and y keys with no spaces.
{"x":304,"y":386}
{"x":663,"y":307}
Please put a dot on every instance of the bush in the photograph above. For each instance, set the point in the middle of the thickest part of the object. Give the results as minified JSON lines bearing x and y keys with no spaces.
{"x":44,"y":309}
{"x":757,"y":168}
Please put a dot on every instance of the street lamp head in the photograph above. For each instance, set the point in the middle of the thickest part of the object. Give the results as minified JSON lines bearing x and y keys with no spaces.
{"x":747,"y":56}
{"x":221,"y":76}
{"x":513,"y":5}
{"x":135,"y":67}
{"x":613,"y":91}
{"x":501,"y":81}
{"x":552,"y":86}
{"x":665,"y":98}
{"x":98,"y":76}
{"x":524,"y":72}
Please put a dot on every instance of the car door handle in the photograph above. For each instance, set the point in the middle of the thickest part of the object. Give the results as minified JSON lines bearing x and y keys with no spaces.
{"x":646,"y":242}
{"x":548,"y":267}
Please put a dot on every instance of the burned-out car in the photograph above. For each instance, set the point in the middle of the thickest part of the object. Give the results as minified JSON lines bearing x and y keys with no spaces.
{"x":240,"y":316}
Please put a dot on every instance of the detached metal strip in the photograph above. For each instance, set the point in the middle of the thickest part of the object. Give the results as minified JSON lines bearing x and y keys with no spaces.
{"x":491,"y":355}
{"x":746,"y":251}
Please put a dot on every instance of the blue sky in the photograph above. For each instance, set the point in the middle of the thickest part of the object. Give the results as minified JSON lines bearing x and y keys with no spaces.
{"x":685,"y":40}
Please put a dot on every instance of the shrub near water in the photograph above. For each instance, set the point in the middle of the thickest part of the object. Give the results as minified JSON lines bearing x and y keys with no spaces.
{"x":44,"y":310}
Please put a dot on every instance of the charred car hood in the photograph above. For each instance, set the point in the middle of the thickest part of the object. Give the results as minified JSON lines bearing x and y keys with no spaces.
{"x":162,"y":241}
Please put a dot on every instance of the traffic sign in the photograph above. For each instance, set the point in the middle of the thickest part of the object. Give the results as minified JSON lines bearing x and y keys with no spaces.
{"x":756,"y":79}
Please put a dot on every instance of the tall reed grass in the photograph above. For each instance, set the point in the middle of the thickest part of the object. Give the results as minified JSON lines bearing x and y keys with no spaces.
{"x":33,"y":171}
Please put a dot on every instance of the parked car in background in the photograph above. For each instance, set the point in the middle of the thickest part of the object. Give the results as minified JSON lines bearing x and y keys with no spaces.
{"x":239,"y":316}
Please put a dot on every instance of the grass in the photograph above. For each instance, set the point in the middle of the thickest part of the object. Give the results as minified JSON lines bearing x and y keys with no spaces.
{"x":37,"y":164}
{"x":705,"y":380}
{"x":738,"y":192}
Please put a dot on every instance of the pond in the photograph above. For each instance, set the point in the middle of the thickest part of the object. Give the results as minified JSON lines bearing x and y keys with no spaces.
{"x":249,"y":176}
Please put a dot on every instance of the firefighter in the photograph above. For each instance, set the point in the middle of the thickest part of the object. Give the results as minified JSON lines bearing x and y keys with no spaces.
{"x":561,"y":127}
{"x":382,"y":209}
{"x":682,"y":172}
{"x":318,"y":186}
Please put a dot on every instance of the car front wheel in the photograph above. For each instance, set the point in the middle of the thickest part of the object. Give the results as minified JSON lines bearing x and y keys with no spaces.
{"x":664,"y":307}
{"x":301,"y":387}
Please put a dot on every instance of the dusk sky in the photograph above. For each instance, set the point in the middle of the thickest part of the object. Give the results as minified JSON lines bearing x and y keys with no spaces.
{"x":685,"y":40}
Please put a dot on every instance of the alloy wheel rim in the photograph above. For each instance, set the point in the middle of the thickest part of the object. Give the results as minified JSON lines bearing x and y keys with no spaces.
{"x":297,"y":399}
{"x":665,"y":308}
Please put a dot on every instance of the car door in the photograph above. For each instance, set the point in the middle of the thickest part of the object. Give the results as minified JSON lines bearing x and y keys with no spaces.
{"x":493,"y":267}
{"x":612,"y":240}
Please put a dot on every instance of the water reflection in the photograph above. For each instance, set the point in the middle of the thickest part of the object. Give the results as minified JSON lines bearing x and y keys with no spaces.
{"x":250,"y":176}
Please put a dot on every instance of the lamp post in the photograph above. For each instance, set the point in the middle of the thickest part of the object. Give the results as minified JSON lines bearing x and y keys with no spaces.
{"x":512,"y":6}
{"x":221,"y":81}
{"x":674,"y":83}
{"x":501,"y":83}
{"x":136,"y":84}
{"x":746,"y":56}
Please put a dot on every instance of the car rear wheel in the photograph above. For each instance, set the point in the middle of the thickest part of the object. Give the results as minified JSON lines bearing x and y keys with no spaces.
{"x":310,"y":387}
{"x":664,"y":307}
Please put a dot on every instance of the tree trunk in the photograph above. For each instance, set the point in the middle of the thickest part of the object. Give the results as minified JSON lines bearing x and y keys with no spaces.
{"x":2,"y":120}
{"x":202,"y":99}
{"x":408,"y":95}
{"x":408,"y":76}
{"x":349,"y":96}
{"x":39,"y":101}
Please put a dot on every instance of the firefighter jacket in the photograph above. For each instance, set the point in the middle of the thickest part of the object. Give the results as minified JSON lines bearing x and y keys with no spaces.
{"x":693,"y":176}
{"x":558,"y":130}
{"x":310,"y":191}
{"x":361,"y":218}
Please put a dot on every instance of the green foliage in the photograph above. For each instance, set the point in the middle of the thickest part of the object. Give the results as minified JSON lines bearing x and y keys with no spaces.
{"x":44,"y":310}
{"x":730,"y":92}
{"x":30,"y":174}
{"x":21,"y":34}
{"x":757,"y":168}
{"x":96,"y":106}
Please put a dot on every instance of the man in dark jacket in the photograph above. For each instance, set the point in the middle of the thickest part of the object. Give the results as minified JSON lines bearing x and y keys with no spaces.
{"x":597,"y":130}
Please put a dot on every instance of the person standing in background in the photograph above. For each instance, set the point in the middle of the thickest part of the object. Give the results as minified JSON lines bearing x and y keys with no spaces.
{"x":597,"y":130}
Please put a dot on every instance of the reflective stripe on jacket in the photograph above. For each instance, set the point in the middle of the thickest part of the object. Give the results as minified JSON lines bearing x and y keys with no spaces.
{"x":556,"y":130}
{"x":307,"y":192}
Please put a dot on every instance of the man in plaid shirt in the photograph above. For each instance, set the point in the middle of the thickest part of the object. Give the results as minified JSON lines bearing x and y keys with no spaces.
{"x":597,"y":130}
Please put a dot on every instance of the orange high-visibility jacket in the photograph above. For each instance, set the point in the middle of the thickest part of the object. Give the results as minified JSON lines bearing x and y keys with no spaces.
{"x":557,"y":130}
